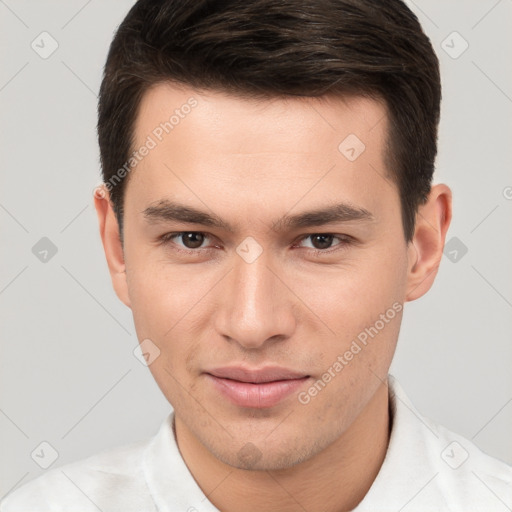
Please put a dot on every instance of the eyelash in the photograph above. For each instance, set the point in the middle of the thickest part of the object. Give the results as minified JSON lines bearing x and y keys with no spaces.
{"x":344,"y":241}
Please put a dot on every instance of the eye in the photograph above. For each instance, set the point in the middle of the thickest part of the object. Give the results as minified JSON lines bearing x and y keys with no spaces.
{"x":192,"y":242}
{"x":190,"y":239}
{"x":322,"y":242}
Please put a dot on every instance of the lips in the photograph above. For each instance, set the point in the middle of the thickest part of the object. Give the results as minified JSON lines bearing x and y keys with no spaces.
{"x":256,"y":388}
{"x":256,"y":376}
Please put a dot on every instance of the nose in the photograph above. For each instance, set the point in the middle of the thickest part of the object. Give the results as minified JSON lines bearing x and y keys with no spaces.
{"x":256,"y":307}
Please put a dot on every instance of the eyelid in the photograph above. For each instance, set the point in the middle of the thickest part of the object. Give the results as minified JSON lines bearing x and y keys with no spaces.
{"x":167,"y":237}
{"x":344,"y":241}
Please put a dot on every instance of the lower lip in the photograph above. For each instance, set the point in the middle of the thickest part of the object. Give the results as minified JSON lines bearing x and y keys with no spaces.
{"x":258,"y":396}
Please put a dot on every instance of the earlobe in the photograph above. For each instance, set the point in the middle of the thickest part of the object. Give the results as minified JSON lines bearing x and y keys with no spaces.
{"x":109,"y":232}
{"x":426,"y":248}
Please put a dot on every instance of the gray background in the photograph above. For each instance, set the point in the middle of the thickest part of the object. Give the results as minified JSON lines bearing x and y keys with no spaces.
{"x":68,"y":375}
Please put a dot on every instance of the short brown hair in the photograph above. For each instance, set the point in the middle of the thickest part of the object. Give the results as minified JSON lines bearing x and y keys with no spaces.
{"x":266,"y":49}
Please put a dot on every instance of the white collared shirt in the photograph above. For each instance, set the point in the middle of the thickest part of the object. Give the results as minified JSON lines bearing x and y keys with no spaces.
{"x":427,"y":468}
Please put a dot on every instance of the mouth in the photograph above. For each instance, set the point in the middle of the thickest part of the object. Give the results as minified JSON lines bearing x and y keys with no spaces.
{"x":258,"y":388}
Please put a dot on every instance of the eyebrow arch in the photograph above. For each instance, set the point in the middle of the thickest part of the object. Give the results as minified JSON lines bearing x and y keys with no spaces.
{"x":341,"y":212}
{"x":168,"y":211}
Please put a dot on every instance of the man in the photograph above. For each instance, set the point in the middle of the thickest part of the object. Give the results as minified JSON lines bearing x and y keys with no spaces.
{"x":267,"y":210}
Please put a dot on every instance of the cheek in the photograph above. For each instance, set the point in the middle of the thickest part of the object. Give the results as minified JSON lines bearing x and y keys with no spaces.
{"x":353,"y":295}
{"x":168,"y":308}
{"x":154,"y":301}
{"x":362,"y":304}
{"x":162,"y":294}
{"x":163,"y":307}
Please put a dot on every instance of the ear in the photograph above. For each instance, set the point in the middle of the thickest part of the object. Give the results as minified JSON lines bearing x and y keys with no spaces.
{"x":109,"y":231}
{"x":426,"y":248}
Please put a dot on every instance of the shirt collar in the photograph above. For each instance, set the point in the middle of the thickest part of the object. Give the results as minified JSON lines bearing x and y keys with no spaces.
{"x":411,"y":462}
{"x":169,"y":480}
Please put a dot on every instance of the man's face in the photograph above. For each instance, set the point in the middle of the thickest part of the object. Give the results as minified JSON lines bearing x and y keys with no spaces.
{"x":259,"y":292}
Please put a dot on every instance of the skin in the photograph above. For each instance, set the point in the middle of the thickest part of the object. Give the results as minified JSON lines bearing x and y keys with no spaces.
{"x":252,"y":163}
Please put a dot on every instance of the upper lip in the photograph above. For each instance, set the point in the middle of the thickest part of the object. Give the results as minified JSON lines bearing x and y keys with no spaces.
{"x":256,"y":375}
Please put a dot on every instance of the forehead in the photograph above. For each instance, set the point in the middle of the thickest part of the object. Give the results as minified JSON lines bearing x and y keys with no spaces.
{"x":164,"y":107}
{"x":222,"y":150}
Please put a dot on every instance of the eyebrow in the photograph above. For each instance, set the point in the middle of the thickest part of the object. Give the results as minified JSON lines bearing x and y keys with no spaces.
{"x":169,"y":211}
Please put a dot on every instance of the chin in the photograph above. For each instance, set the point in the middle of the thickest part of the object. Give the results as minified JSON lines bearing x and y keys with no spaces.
{"x":267,"y":456}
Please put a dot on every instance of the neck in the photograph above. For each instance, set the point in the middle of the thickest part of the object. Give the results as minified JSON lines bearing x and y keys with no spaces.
{"x":334,"y":480}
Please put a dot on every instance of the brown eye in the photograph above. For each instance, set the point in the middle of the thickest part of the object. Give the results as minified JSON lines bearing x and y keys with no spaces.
{"x":192,"y":240}
{"x":321,"y":241}
{"x":325,"y":243}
